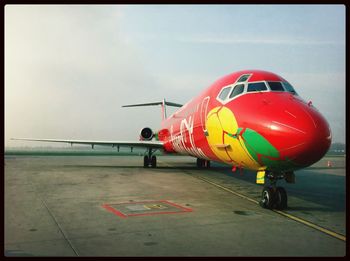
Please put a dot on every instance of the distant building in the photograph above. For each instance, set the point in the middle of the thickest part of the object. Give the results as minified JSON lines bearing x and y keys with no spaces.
{"x":337,"y":149}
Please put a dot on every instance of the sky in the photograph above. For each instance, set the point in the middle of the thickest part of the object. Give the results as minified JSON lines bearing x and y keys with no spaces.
{"x":69,"y":69}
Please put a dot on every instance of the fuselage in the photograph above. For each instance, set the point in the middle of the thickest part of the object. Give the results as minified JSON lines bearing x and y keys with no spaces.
{"x":250,"y":119}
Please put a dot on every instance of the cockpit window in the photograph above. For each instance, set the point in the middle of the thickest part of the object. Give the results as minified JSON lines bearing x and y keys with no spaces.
{"x":256,"y":86}
{"x":288,"y":87}
{"x":243,"y":78}
{"x":229,"y":92}
{"x":238,"y":89}
{"x":276,"y":86}
{"x":224,"y":92}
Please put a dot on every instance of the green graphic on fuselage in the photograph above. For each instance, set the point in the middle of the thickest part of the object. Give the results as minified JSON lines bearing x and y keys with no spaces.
{"x":257,"y":144}
{"x":263,"y":151}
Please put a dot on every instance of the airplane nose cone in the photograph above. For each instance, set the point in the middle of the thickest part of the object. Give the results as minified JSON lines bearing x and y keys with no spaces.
{"x":307,"y":133}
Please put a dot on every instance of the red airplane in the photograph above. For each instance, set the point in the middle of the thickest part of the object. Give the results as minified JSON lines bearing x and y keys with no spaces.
{"x":248,"y":119}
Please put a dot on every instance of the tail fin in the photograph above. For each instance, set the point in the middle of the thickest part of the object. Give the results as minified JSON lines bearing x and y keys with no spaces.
{"x":163,"y":103}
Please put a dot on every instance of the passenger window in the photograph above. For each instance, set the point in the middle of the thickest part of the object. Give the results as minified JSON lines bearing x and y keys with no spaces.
{"x":276,"y":86}
{"x":256,"y":86}
{"x":238,"y":89}
{"x":289,"y":87}
{"x":243,"y":78}
{"x":224,"y":93}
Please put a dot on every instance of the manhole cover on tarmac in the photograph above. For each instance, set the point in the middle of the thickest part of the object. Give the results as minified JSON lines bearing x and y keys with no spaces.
{"x":145,"y":208}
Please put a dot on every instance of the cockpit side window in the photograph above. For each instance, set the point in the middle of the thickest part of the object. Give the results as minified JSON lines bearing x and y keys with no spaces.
{"x":224,"y":93}
{"x":256,"y":86}
{"x":289,"y":87}
{"x":244,"y":78}
{"x":238,"y":89}
{"x":276,"y":86}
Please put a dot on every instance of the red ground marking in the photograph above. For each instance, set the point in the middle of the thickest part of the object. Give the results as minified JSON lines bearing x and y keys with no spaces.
{"x":177,"y":206}
{"x":122,"y":215}
{"x":114,"y":211}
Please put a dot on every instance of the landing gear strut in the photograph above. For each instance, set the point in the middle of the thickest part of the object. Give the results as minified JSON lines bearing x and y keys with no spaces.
{"x":203,"y":163}
{"x":273,"y":197}
{"x":150,"y":159}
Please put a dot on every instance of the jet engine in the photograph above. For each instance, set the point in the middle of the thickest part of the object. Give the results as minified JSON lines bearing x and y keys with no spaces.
{"x":146,"y":134}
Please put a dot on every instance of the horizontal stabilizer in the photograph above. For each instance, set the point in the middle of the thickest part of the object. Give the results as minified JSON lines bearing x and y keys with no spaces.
{"x":154,"y":103}
{"x":163,"y":103}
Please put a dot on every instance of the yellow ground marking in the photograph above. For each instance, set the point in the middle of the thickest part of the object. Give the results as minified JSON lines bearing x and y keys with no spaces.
{"x":154,"y":206}
{"x":312,"y":225}
{"x":297,"y":219}
{"x":229,"y":190}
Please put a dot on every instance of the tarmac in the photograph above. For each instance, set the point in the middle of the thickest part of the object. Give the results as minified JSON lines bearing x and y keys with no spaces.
{"x":112,"y":206}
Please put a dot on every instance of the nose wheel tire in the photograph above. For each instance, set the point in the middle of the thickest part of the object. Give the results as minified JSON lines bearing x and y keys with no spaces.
{"x":274,"y":198}
{"x":281,"y":198}
{"x":267,"y":198}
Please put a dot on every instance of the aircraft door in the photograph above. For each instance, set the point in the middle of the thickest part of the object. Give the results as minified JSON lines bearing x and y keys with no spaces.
{"x":203,"y":114}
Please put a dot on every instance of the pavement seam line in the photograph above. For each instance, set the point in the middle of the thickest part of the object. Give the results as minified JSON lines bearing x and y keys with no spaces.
{"x":55,"y":220}
{"x":292,"y":217}
{"x":61,"y":230}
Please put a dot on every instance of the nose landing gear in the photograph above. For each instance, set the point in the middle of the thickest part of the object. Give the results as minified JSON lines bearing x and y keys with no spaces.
{"x":273,"y":197}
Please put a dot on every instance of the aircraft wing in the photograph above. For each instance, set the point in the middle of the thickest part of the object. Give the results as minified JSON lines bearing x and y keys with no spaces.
{"x":142,"y":144}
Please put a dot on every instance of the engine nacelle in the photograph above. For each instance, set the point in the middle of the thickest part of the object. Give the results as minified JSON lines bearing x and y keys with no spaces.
{"x":146,"y":134}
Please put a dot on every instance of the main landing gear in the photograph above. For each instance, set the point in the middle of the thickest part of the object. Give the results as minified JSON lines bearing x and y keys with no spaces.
{"x":201,"y":163}
{"x":150,"y":159}
{"x":273,"y":197}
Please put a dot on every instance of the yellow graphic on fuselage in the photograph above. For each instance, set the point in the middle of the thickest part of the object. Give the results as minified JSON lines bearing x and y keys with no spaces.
{"x":221,"y":125}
